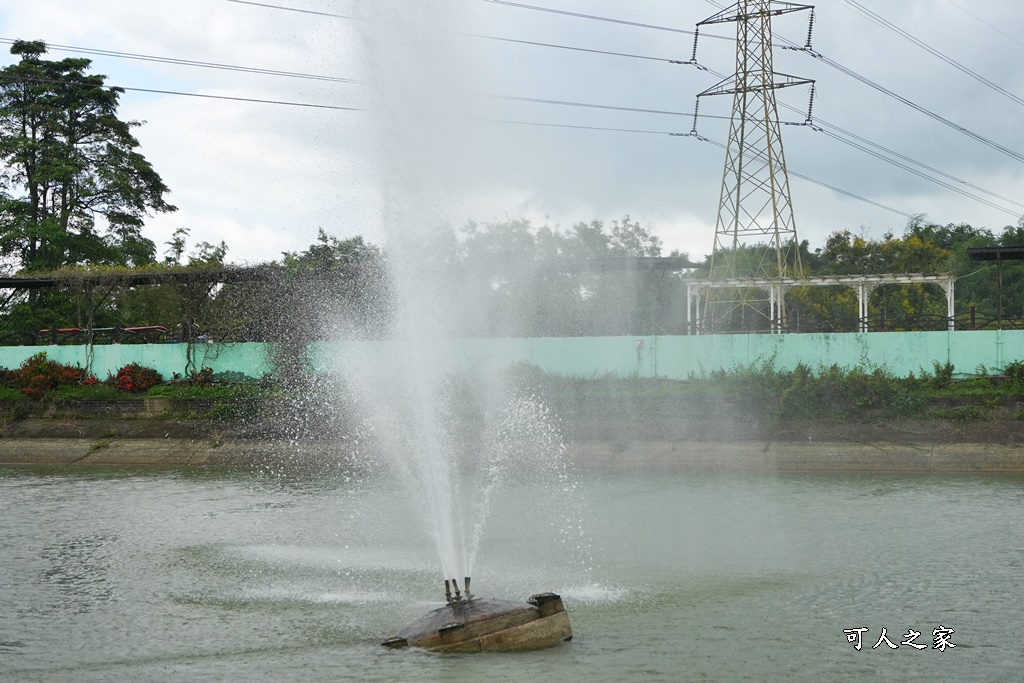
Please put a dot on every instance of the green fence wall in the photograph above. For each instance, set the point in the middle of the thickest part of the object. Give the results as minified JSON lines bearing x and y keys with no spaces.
{"x":672,"y":357}
{"x":167,"y":358}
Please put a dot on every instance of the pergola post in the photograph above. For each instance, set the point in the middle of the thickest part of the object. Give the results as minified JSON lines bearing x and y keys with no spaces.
{"x":862,"y":306}
{"x":950,"y":309}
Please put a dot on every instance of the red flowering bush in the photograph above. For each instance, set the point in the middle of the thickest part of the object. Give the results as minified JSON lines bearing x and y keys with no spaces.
{"x":38,"y":374}
{"x":135,"y":379}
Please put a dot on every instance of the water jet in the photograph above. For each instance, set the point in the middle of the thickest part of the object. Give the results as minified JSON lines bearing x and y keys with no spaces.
{"x":470,"y":624}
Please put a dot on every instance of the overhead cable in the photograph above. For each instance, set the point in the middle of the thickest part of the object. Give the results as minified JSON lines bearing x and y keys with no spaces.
{"x":593,"y":17}
{"x":1016,"y":156}
{"x":790,"y":45}
{"x":921,"y":174}
{"x":612,"y":107}
{"x":122,"y":88}
{"x":837,"y":133}
{"x":832,"y":128}
{"x":580,"y":49}
{"x":510,"y":122}
{"x":886,"y":24}
{"x":840,"y":134}
{"x":991,"y":26}
{"x":189,"y":62}
{"x":814,"y":181}
{"x":290,"y":9}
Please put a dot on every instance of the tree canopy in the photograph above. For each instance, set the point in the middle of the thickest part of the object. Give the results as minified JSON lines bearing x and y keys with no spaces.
{"x":74,"y":188}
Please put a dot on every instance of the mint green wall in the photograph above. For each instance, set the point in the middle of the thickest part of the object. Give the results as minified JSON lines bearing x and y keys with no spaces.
{"x":167,"y":358}
{"x":673,"y":357}
{"x":678,"y":357}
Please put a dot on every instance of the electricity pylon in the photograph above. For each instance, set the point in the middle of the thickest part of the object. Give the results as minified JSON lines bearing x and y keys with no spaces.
{"x":755,"y":234}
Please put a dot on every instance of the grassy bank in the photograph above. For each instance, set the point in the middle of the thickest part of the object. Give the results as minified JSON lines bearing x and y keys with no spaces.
{"x":749,"y":418}
{"x":773,"y":397}
{"x":744,"y":404}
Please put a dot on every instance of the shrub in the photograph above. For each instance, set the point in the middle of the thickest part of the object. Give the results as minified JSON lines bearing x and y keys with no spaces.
{"x":136,"y":379}
{"x":1015,"y":377}
{"x":1014,"y":371}
{"x":963,"y":413}
{"x":38,"y":375}
{"x":203,"y":378}
{"x":943,"y":377}
{"x":232,"y":377}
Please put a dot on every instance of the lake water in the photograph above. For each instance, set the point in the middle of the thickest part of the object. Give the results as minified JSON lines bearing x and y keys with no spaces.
{"x":156,"y":575}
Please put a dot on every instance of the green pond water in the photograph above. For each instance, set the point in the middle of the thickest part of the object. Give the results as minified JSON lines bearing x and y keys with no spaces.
{"x":158,"y":575}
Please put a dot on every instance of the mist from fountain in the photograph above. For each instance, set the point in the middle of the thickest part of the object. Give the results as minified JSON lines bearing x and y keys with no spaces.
{"x":453,"y":434}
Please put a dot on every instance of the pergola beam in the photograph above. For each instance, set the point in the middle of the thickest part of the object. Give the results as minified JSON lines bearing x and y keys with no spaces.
{"x":776,"y":289}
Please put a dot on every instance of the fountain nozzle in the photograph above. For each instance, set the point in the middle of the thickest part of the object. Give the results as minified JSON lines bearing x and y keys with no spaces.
{"x":458,"y":595}
{"x":447,"y":591}
{"x":465,"y":586}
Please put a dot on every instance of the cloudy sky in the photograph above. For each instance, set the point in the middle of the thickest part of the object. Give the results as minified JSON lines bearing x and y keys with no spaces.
{"x":265,"y":177}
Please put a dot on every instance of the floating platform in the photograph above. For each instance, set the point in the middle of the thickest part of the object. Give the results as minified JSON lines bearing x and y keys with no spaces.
{"x":471,"y":624}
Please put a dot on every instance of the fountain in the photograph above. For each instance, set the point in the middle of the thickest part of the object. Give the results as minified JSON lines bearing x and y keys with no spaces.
{"x":470,"y":624}
{"x":451,"y":432}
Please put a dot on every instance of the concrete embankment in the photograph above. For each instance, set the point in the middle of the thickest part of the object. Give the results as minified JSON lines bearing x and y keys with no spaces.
{"x":638,"y":456}
{"x":162,"y":432}
{"x":802,"y":456}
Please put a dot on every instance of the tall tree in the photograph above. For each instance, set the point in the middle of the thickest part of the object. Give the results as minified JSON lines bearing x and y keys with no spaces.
{"x":74,"y":189}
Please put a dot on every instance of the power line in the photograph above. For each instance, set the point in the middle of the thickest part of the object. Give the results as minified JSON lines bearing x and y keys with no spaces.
{"x":580,"y":49}
{"x":991,"y":26}
{"x":572,"y":126}
{"x":261,"y":71}
{"x":921,"y":174}
{"x":793,"y":173}
{"x":1016,"y":156}
{"x":825,"y":127}
{"x":523,"y":99}
{"x":836,"y":132}
{"x":530,"y":42}
{"x":320,"y":77}
{"x":190,"y":62}
{"x":512,"y":98}
{"x":917,"y":163}
{"x":121,"y":88}
{"x":790,"y":46}
{"x":256,"y":70}
{"x":820,"y":121}
{"x":885,"y":23}
{"x":290,"y":9}
{"x":243,"y":69}
{"x":580,"y":15}
{"x":503,"y":121}
{"x":590,"y":105}
{"x":816,"y":182}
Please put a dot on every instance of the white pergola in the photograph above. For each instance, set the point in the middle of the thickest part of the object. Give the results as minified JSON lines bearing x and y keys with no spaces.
{"x":776,"y":289}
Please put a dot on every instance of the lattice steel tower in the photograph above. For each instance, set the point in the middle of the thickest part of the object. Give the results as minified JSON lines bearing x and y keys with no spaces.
{"x":755,"y":234}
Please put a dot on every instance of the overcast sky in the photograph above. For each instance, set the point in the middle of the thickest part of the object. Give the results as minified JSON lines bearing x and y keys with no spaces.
{"x":265,"y":177}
